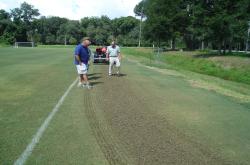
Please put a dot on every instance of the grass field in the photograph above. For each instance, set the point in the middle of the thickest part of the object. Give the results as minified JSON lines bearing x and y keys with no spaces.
{"x":234,"y":66}
{"x":149,"y":115}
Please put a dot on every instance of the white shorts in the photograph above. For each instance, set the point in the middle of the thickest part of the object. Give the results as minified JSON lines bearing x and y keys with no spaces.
{"x":115,"y":60}
{"x":82,"y":69}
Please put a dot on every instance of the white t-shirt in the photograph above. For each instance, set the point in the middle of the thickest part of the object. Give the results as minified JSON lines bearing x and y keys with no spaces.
{"x":113,"y":52}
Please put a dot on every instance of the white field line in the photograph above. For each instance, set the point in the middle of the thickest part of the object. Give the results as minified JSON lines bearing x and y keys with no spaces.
{"x":27,"y":152}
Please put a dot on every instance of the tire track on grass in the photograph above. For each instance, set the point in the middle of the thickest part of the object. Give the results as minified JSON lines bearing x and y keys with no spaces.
{"x":147,"y":137}
{"x":103,"y":138}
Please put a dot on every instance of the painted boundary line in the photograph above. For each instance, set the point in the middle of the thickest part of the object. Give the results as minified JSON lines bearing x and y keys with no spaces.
{"x":27,"y":152}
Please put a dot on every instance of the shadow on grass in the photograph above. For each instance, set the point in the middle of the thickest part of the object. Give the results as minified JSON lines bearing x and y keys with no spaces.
{"x":101,"y":63}
{"x":96,"y":83}
{"x":120,"y":75}
{"x":93,"y":74}
{"x":94,"y":77}
{"x":123,"y":75}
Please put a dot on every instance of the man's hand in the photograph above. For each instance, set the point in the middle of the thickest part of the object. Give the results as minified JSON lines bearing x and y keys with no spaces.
{"x":107,"y":56}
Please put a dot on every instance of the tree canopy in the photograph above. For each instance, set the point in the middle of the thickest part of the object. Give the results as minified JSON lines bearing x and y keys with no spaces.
{"x":220,"y":24}
{"x":23,"y":24}
{"x":190,"y":24}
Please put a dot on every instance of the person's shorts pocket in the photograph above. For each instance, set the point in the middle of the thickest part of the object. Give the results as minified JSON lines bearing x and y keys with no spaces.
{"x":81,"y":69}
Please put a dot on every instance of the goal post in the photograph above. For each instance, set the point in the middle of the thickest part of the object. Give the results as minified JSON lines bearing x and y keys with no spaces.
{"x":24,"y":44}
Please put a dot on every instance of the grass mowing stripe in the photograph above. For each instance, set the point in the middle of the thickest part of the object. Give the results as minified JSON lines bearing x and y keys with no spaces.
{"x":26,"y":153}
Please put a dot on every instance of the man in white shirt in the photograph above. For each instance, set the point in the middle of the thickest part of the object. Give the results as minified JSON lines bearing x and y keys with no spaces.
{"x":114,"y":54}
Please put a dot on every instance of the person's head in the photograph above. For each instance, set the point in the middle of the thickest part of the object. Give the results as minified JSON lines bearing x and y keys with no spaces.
{"x":86,"y":41}
{"x":113,"y":43}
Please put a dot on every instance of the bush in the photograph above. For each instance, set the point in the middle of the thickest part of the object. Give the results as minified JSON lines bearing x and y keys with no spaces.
{"x":191,"y":63}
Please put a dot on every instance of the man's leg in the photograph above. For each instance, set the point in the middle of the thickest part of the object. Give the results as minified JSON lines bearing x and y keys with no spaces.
{"x":85,"y":79}
{"x":81,"y":78}
{"x":86,"y":82}
{"x":80,"y":81}
{"x":111,"y":62}
{"x":118,"y":65}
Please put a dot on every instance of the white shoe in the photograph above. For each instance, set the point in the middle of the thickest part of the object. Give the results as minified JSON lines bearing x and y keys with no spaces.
{"x":79,"y":84}
{"x":88,"y":86}
{"x":110,"y":74}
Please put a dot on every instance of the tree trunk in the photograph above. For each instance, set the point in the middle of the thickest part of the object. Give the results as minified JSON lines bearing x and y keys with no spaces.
{"x":220,"y":48}
{"x":173,"y":43}
{"x":230,"y":47}
{"x":202,"y":45}
{"x":247,"y":45}
{"x":209,"y":45}
{"x":224,"y":47}
{"x":65,"y":40}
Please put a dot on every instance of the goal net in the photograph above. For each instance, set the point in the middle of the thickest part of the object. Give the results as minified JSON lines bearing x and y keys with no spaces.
{"x":24,"y":44}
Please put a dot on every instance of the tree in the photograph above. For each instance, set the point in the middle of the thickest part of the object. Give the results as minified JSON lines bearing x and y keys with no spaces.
{"x":23,"y":18}
{"x":219,"y":22}
{"x":7,"y":28}
{"x":139,"y":9}
{"x":4,"y":21}
{"x":52,"y":28}
{"x":4,"y":15}
{"x":159,"y":14}
{"x":98,"y":28}
{"x":71,"y":30}
{"x":121,"y":28}
{"x":72,"y":41}
{"x":227,"y":22}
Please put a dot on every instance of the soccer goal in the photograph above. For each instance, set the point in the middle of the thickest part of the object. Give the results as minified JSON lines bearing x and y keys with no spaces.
{"x":24,"y":44}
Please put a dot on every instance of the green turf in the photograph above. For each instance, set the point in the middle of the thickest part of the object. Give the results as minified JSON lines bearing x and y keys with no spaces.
{"x":233,"y":67}
{"x":208,"y":118}
{"x":56,"y":46}
{"x":33,"y":80}
{"x":69,"y":139}
{"x":31,"y":83}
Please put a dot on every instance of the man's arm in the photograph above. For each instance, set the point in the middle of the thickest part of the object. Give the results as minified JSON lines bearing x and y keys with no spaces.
{"x":90,"y":56}
{"x":77,"y":55}
{"x":119,"y":54}
{"x":107,"y":53}
{"x":78,"y":59}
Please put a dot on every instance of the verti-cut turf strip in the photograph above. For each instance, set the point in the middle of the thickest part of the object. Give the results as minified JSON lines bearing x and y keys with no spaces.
{"x":27,"y":152}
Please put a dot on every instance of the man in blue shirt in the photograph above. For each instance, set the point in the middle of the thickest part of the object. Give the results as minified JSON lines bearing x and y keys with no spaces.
{"x":82,"y":56}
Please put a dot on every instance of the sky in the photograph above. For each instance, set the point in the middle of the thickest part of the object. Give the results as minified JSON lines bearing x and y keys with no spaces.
{"x":77,"y":9}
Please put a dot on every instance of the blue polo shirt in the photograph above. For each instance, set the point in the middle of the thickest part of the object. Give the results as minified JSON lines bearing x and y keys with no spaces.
{"x":83,"y":52}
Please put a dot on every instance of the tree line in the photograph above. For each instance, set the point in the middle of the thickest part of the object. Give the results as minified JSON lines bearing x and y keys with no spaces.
{"x":22,"y":24}
{"x":187,"y":24}
{"x":194,"y":24}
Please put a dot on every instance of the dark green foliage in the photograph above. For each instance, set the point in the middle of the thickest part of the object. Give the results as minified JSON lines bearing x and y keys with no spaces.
{"x":22,"y":24}
{"x":217,"y":24}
